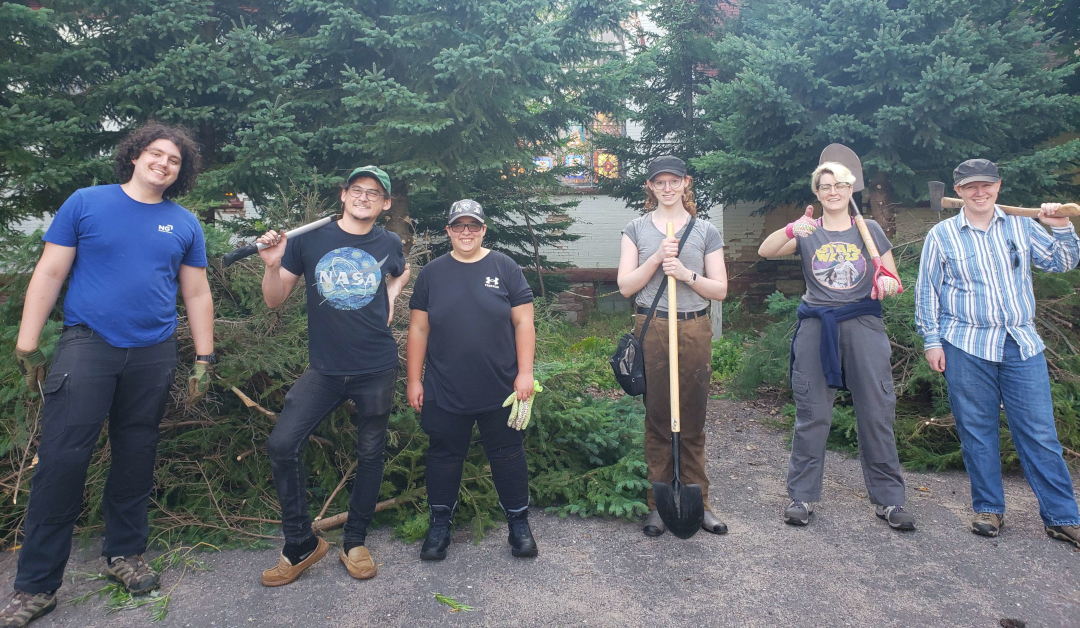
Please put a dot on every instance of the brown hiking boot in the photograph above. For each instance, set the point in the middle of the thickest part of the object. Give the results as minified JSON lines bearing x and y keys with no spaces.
{"x":285,"y":572}
{"x":1069,"y":534}
{"x":24,"y":608}
{"x":133,"y":572}
{"x":987,"y":524}
{"x":358,"y":562}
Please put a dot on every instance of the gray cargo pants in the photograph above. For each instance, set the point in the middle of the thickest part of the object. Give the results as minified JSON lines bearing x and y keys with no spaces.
{"x":864,"y":358}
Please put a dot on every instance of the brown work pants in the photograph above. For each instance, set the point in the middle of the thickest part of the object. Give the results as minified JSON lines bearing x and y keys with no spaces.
{"x":695,"y":371}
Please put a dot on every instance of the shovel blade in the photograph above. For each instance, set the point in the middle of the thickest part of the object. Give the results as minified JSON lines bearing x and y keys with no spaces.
{"x":680,"y":506}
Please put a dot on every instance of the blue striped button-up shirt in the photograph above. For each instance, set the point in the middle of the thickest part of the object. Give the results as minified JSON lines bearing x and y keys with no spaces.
{"x":974,"y":286}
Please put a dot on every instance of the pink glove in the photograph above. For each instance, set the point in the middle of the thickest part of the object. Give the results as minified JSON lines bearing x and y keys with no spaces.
{"x":802,"y":227}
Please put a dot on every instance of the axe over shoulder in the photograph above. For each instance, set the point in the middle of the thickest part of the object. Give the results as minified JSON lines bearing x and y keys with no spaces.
{"x":938,"y":202}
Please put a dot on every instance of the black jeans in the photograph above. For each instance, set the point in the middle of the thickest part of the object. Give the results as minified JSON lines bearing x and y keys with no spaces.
{"x":311,"y":399}
{"x":89,"y":380}
{"x":450,"y":433}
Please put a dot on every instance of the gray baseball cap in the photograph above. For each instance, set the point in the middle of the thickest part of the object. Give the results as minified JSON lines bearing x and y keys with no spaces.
{"x":465,"y":207}
{"x":667,"y":163}
{"x":974,"y":170}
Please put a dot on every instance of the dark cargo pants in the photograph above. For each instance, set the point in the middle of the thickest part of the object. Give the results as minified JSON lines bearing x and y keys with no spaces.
{"x":695,"y":371}
{"x":864,"y":358}
{"x":89,"y":380}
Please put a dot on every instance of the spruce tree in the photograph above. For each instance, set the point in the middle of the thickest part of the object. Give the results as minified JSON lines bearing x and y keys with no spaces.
{"x":914,"y":88}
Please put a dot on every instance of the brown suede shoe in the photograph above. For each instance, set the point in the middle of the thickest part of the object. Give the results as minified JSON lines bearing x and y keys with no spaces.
{"x":1069,"y":534}
{"x":987,"y":524}
{"x":285,"y":572}
{"x":359,"y":563}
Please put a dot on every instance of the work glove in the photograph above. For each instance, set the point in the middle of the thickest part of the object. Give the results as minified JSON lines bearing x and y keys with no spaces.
{"x":199,"y":382}
{"x":886,"y":287}
{"x":521,"y":411}
{"x":802,"y":227}
{"x":32,"y":366}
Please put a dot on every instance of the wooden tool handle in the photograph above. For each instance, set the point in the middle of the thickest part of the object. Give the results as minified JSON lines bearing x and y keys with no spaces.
{"x":867,"y":239}
{"x":673,"y":343}
{"x":1068,"y":210}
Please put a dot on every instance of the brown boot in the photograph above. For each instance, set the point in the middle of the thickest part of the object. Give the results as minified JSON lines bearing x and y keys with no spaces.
{"x":1069,"y":534}
{"x":285,"y":572}
{"x":358,"y":562}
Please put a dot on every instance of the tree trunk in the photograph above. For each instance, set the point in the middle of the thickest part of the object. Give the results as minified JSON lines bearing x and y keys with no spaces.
{"x":881,"y":207}
{"x":398,"y":219}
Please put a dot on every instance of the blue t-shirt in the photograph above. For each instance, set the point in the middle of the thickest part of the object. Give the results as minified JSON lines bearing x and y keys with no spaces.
{"x":125,"y":275}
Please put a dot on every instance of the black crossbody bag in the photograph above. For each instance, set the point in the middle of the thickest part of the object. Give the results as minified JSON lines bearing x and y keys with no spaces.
{"x":628,"y":363}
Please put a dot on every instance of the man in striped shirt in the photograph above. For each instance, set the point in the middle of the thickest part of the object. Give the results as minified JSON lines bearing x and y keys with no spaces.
{"x":975,"y":309}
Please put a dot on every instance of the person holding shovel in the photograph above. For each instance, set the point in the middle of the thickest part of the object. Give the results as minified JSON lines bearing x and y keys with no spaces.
{"x":840,"y":343}
{"x":975,"y":309}
{"x":353,"y":271}
{"x":648,"y":256}
{"x":127,"y":248}
{"x":472,"y":323}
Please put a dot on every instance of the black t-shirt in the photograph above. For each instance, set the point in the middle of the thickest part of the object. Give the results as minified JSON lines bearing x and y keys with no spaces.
{"x":346,"y":297}
{"x":471,"y":349}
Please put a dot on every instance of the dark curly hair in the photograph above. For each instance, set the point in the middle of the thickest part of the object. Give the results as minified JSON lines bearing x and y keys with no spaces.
{"x":136,"y":142}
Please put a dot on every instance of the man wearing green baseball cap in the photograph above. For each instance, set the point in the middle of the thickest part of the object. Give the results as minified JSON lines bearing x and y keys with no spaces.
{"x":353,"y":271}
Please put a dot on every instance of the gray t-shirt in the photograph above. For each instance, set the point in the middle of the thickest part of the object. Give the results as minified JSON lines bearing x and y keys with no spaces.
{"x":836,"y":266}
{"x":704,"y":239}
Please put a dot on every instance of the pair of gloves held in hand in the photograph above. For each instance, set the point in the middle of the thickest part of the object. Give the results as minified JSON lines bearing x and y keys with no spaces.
{"x":32,"y":366}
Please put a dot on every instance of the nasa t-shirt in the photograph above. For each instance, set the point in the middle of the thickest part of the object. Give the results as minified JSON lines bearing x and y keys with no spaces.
{"x":836,"y":266}
{"x":348,"y":308}
{"x":471,"y":350}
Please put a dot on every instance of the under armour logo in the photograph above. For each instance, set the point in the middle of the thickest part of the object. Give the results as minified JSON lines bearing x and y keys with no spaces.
{"x":491,"y":282}
{"x":165,"y":228}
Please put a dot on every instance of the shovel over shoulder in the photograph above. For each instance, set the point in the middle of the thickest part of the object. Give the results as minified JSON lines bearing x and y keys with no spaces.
{"x":938,"y":202}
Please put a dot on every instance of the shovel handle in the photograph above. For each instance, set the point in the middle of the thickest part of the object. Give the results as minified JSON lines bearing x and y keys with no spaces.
{"x":673,"y":344}
{"x":1068,"y":210}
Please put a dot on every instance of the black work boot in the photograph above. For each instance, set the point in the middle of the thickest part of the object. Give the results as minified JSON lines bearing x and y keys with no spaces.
{"x":438,"y":534}
{"x":522,"y":543}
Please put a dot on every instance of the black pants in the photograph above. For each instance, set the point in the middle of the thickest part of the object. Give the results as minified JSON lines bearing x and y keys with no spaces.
{"x":450,"y":434}
{"x":89,"y":380}
{"x":311,"y":399}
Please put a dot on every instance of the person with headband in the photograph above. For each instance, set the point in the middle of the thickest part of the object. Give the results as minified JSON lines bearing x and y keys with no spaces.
{"x":647,"y":259}
{"x":472,"y":323}
{"x":840,"y":343}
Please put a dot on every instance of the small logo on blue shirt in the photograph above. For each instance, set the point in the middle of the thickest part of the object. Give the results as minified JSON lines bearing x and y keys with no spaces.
{"x":491,"y":282}
{"x":165,"y":228}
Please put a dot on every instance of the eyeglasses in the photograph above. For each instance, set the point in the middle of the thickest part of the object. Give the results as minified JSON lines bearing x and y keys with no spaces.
{"x":460,"y":227}
{"x":827,"y":188}
{"x":367,"y":194}
{"x":672,"y":184}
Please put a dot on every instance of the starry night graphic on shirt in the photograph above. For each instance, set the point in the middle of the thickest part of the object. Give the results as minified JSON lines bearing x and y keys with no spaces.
{"x":839,"y":265}
{"x":348,"y":278}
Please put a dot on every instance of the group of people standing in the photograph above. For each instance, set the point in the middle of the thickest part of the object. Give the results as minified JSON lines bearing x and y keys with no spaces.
{"x":129,"y":247}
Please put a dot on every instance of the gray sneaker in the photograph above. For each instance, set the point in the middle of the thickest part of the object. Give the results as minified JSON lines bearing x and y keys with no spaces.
{"x":798,"y":513}
{"x":896,"y":516}
{"x":23,"y":608}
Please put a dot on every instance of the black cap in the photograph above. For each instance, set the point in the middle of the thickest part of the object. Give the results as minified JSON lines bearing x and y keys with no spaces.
{"x":975,"y":170}
{"x":465,"y":207}
{"x":667,"y":163}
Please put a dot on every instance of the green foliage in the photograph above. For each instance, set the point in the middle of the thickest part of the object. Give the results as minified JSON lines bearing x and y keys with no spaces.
{"x":913,"y":87}
{"x":726,"y":356}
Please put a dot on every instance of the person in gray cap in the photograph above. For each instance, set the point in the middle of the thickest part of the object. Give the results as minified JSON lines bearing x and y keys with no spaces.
{"x":647,"y":258}
{"x":975,"y":309}
{"x":353,"y":270}
{"x":472,"y":322}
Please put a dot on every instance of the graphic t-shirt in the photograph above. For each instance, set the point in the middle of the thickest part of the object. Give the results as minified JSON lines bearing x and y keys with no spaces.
{"x":836,"y":266}
{"x":471,"y":349}
{"x":127,"y":263}
{"x":345,"y":276}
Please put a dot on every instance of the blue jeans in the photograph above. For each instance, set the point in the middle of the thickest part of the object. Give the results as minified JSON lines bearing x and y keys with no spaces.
{"x":977,"y":389}
{"x":311,"y":399}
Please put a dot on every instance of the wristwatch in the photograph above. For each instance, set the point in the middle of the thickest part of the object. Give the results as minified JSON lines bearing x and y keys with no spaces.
{"x":693,"y":278}
{"x":211,"y":358}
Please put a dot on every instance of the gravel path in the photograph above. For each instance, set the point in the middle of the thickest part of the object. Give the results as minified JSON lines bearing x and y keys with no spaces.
{"x":846,"y":569}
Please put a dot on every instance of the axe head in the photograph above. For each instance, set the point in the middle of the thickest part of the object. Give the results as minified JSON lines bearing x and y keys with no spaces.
{"x":937,"y":192}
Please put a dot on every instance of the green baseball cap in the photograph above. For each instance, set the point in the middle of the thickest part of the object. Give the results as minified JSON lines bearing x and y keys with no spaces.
{"x":375,"y":172}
